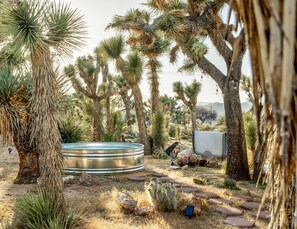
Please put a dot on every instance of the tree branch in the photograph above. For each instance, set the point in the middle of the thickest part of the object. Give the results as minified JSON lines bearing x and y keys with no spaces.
{"x":205,"y":65}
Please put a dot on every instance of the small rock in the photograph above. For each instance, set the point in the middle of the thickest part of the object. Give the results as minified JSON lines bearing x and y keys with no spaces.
{"x":220,"y":201}
{"x":185,"y":167}
{"x":242,"y":198}
{"x":185,"y":152}
{"x":263,"y":214}
{"x":138,"y":179}
{"x":144,"y":210}
{"x":182,"y":161}
{"x":68,"y":179}
{"x":207,"y":195}
{"x":127,"y":202}
{"x":158,"y":175}
{"x":202,"y":162}
{"x":193,"y":159}
{"x":228,"y":211}
{"x":250,"y":205}
{"x":85,"y":179}
{"x":239,"y":222}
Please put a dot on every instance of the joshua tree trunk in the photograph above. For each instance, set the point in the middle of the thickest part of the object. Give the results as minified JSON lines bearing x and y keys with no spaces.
{"x":127,"y":104}
{"x":154,"y":91}
{"x":143,"y":136}
{"x":96,"y":124}
{"x":28,"y":168}
{"x":193,"y":117}
{"x":28,"y":159}
{"x":44,"y":132}
{"x":237,"y":164}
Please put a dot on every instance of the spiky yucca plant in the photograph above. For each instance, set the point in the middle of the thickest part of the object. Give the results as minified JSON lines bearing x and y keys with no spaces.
{"x":40,"y":28}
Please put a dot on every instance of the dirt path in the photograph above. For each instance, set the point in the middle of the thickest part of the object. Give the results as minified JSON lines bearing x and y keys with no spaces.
{"x":98,"y":200}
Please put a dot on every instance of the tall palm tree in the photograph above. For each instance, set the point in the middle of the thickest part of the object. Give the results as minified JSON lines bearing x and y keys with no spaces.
{"x":150,"y":44}
{"x":132,"y":70}
{"x":14,"y":97}
{"x":40,"y":28}
{"x":188,"y":95}
{"x":187,"y":23}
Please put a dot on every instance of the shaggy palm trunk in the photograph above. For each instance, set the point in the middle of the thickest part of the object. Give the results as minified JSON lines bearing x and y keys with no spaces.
{"x":237,"y":163}
{"x":143,"y":136}
{"x":44,"y":132}
{"x":96,"y":121}
{"x":154,"y":91}
{"x":127,"y":109}
{"x":28,"y":159}
{"x":107,"y":107}
{"x":193,"y":116}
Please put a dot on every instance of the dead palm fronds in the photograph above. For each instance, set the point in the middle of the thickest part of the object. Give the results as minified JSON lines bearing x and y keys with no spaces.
{"x":271,"y":32}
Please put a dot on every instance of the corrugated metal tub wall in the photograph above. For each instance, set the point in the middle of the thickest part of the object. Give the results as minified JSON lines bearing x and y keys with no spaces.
{"x":102,"y":158}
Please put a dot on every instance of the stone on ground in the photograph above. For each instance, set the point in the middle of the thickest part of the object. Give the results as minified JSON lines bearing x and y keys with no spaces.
{"x":207,"y":195}
{"x":228,"y":211}
{"x":144,"y":210}
{"x":250,"y":205}
{"x":85,"y":179}
{"x":127,"y":202}
{"x":220,"y":201}
{"x":187,"y":189}
{"x":262,"y":214}
{"x":158,"y":175}
{"x":239,"y":222}
{"x":138,"y":179}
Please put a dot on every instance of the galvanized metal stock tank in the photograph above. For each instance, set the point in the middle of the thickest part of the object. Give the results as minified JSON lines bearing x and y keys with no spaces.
{"x":102,"y":158}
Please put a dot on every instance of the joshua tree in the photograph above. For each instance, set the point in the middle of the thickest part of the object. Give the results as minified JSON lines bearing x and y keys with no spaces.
{"x":187,"y":24}
{"x":188,"y":95}
{"x":132,"y":70}
{"x":124,"y":93}
{"x":40,"y":28}
{"x":150,"y":44}
{"x":88,"y":69}
{"x":14,"y":97}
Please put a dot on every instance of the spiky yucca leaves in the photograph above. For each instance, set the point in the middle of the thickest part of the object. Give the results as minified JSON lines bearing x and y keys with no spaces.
{"x":188,"y":95}
{"x":39,"y":210}
{"x":39,"y":28}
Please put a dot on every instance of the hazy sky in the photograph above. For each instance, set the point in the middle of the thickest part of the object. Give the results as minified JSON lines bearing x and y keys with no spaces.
{"x":98,"y":14}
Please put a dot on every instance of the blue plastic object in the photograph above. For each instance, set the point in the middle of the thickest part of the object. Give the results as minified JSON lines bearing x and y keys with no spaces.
{"x":189,"y":211}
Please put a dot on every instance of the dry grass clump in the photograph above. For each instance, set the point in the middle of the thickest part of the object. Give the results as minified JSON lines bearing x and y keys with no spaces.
{"x":5,"y":209}
{"x":108,"y":200}
{"x":99,"y":223}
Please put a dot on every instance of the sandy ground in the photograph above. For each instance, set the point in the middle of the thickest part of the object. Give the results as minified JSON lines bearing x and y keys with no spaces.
{"x":98,"y":213}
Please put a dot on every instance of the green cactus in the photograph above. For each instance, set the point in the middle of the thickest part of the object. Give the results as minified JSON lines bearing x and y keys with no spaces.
{"x":163,"y":196}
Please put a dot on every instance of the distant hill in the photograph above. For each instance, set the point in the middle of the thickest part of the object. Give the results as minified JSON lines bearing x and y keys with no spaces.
{"x":219,"y":107}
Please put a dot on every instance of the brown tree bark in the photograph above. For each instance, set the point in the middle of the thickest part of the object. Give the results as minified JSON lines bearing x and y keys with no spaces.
{"x":193,"y":116}
{"x":155,"y":94}
{"x":143,"y":136}
{"x":96,"y":122}
{"x":237,"y":164}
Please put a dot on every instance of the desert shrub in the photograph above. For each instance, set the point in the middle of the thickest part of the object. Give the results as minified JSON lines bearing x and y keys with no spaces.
{"x":158,"y":130}
{"x":177,"y":132}
{"x":250,"y":131}
{"x":186,"y":133}
{"x":160,"y":154}
{"x":163,"y":196}
{"x":229,"y":184}
{"x":221,"y":124}
{"x":115,"y":129}
{"x":71,"y":130}
{"x":40,"y":211}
